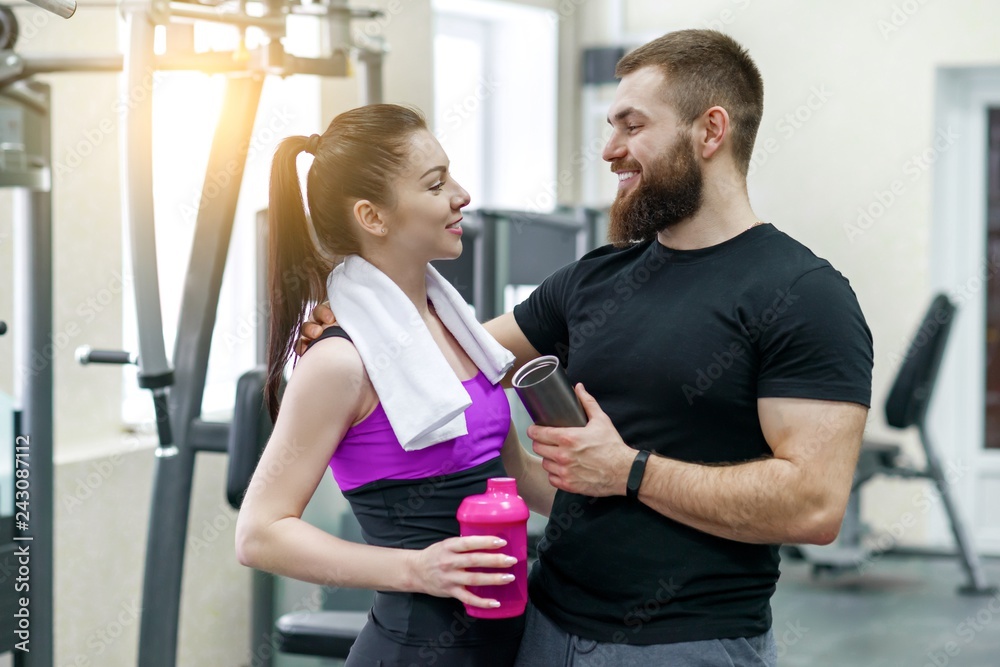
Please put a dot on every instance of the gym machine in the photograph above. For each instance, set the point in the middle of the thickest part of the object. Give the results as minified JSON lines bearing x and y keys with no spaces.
{"x":25,"y":159}
{"x":24,"y":169}
{"x":177,"y":391}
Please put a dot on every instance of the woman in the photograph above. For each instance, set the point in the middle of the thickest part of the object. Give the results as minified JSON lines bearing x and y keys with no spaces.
{"x":379,"y":188}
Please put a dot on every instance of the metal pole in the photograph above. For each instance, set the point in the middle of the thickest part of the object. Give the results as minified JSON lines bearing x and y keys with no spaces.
{"x":264,"y":583}
{"x":191,"y":11}
{"x":262,"y":619}
{"x":159,"y":616}
{"x":966,"y":549}
{"x":137,"y":207}
{"x":36,"y":350}
{"x":63,"y":8}
{"x":371,"y":80}
{"x":174,"y":474}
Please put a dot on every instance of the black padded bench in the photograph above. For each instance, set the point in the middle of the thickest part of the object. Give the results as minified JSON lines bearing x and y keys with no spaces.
{"x":319,"y":633}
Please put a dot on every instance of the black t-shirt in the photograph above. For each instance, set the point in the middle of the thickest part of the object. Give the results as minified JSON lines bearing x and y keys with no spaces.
{"x":677,"y":346}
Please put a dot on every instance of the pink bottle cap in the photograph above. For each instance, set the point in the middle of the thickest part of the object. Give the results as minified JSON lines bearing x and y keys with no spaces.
{"x":500,"y":503}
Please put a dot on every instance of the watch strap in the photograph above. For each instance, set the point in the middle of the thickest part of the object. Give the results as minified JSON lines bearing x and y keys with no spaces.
{"x":635,"y":474}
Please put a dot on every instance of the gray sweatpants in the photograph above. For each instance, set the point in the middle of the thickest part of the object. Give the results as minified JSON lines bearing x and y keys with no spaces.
{"x":546,"y":645}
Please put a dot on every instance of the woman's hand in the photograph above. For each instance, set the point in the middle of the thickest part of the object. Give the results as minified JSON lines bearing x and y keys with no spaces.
{"x":442,"y":569}
{"x":320,"y":318}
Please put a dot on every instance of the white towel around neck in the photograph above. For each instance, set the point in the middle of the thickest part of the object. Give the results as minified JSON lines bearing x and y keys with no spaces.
{"x":420,"y":393}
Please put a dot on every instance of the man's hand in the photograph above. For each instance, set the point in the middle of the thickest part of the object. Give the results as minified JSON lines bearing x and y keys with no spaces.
{"x":320,"y":318}
{"x":592,"y":460}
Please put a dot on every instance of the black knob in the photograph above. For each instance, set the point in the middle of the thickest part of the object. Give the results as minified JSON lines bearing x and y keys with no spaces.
{"x":3,"y":327}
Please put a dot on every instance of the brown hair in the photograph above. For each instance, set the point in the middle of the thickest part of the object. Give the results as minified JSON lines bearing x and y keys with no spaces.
{"x":706,"y":68}
{"x":356,"y":158}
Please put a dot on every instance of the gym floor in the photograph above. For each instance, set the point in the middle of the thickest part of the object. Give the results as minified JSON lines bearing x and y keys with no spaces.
{"x":902,"y":612}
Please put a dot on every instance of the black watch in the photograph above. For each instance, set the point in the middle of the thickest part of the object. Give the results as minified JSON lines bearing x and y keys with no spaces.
{"x":635,"y":474}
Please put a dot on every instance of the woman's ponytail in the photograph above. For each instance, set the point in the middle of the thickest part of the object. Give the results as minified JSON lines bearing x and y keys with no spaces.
{"x":296,"y":270}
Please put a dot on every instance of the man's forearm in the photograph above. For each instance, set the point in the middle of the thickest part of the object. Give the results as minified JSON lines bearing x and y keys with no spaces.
{"x":767,"y":501}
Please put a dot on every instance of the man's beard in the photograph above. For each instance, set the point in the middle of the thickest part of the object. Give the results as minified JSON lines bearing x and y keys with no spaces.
{"x":668,"y":192}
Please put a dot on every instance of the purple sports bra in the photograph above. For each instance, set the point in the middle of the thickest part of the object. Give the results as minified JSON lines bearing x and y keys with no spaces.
{"x":370,"y":450}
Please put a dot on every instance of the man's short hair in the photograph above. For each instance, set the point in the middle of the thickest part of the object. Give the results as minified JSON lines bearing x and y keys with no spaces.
{"x":705,"y":68}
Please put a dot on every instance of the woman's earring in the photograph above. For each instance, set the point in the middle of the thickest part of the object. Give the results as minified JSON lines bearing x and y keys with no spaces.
{"x":383,"y":230}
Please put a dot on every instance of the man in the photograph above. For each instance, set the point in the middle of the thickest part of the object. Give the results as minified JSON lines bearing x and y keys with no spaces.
{"x":736,"y":362}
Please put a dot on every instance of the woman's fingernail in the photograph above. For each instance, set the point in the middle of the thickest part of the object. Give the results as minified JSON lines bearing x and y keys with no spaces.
{"x":508,"y":577}
{"x":510,"y":560}
{"x":494,"y":603}
{"x":499,"y":543}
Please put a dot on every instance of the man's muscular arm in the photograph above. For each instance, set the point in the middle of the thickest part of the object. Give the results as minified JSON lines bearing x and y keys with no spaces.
{"x":799,"y":495}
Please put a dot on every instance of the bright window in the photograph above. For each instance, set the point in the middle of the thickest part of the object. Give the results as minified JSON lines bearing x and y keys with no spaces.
{"x":495,"y":106}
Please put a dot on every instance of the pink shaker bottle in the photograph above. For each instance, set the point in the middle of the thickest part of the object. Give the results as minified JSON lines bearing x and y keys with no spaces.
{"x":502,"y":513}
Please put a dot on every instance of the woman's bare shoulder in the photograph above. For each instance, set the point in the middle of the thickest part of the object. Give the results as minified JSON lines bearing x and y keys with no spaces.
{"x":332,"y":365}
